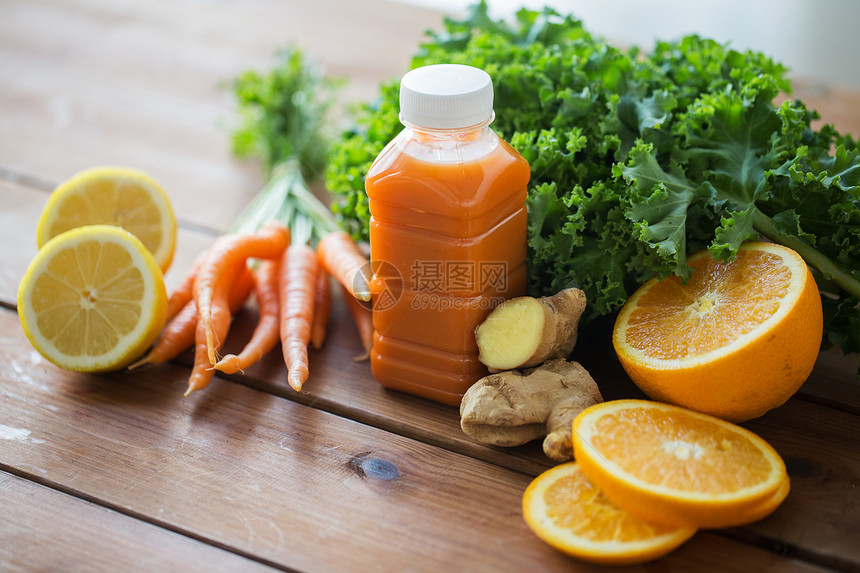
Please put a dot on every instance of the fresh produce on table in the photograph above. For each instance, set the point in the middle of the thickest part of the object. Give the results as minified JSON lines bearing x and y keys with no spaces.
{"x":297,"y":280}
{"x":525,"y":331}
{"x":286,"y":283}
{"x":180,"y":328}
{"x":567,"y":511}
{"x":282,"y":120}
{"x":639,"y":158}
{"x":647,"y":477}
{"x":267,"y":331}
{"x":120,"y":196}
{"x":736,"y":340}
{"x":225,"y":259}
{"x":92,"y":299}
{"x":362,"y":316}
{"x":219,"y":282}
{"x":671,"y":465}
{"x":210,"y":334}
{"x":343,"y":260}
{"x":532,"y":391}
{"x":322,"y":308}
{"x":515,"y":407}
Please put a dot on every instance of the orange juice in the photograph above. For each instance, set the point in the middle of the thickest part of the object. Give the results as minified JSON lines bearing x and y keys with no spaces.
{"x":447,"y":233}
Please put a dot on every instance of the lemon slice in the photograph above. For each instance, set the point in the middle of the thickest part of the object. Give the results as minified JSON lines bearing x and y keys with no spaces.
{"x":119,"y":196}
{"x":93,"y":299}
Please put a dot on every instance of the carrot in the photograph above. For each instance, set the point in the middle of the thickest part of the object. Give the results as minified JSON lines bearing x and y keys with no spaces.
{"x":296,"y":283}
{"x":185,"y":291}
{"x":363,"y":318}
{"x":202,"y":370}
{"x":178,"y":334}
{"x":322,"y":308}
{"x":228,"y":250}
{"x":341,"y":258}
{"x":241,"y":289}
{"x":267,"y":332}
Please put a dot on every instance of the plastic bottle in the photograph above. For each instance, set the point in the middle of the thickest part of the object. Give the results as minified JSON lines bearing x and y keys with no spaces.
{"x":447,"y":232}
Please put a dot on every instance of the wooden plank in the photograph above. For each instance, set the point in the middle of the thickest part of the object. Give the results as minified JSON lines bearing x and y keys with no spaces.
{"x":835,"y":381}
{"x":143,"y":84}
{"x":20,"y":207}
{"x":836,"y":104}
{"x":822,"y":455}
{"x":814,"y":440}
{"x":286,"y":483}
{"x":45,"y":530}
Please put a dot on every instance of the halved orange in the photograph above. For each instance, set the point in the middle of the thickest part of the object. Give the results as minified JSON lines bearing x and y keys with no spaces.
{"x":672,"y":465}
{"x":566,"y":511}
{"x":738,"y":339}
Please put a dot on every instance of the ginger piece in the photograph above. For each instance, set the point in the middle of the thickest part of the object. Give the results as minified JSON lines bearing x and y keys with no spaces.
{"x":523,"y":332}
{"x":512,"y":408}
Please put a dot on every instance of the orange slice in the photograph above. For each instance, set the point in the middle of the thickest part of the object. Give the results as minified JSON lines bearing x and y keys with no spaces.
{"x":738,"y":339}
{"x":768,"y":506}
{"x":671,"y":465}
{"x":566,"y":511}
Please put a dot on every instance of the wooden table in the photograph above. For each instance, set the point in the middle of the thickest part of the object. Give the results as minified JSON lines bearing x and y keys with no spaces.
{"x":119,"y":472}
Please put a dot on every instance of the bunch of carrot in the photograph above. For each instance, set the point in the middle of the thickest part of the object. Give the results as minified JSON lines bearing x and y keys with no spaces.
{"x":291,"y":284}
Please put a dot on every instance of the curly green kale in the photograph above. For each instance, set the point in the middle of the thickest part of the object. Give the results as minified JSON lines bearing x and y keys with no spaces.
{"x":639,"y":159}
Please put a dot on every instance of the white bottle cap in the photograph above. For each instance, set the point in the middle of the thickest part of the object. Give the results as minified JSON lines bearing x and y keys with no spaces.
{"x":446,"y":96}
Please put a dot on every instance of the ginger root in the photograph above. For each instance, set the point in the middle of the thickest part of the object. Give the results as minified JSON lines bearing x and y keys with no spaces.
{"x":512,"y":408}
{"x":523,"y":332}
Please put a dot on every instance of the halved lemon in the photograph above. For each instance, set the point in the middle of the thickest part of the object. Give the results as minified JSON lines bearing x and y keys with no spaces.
{"x":672,"y":465}
{"x":119,"y":196}
{"x":93,"y":299}
{"x":564,"y":509}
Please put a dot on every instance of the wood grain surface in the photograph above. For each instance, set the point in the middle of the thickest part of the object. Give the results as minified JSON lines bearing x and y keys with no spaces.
{"x":284,"y":482}
{"x":48,"y":530}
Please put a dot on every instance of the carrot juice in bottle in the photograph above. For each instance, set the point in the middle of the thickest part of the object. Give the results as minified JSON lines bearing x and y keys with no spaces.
{"x":447,"y":232}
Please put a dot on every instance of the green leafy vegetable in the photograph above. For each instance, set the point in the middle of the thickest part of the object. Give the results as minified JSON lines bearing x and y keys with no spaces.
{"x":282,"y":116}
{"x":641,"y":158}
